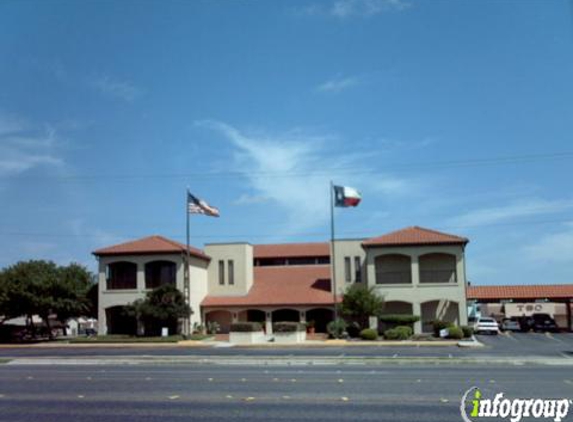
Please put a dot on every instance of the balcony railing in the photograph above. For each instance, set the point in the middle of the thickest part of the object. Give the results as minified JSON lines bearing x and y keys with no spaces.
{"x":438,"y":276}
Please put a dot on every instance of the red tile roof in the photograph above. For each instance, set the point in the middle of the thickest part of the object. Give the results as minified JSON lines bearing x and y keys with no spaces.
{"x":150,"y":245}
{"x":547,"y":291}
{"x":292,"y":250}
{"x":278,"y":286}
{"x":415,"y":235}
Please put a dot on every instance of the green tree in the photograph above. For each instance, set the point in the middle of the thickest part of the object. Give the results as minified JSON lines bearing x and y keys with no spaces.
{"x":164,"y":306}
{"x":361,"y":302}
{"x":42,"y":288}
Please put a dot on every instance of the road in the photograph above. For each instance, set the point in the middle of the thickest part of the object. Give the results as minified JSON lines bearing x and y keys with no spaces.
{"x":202,"y":393}
{"x":504,"y":345}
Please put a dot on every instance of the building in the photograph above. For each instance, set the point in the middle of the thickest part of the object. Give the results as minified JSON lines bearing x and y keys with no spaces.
{"x":417,"y":271}
{"x":523,"y":300}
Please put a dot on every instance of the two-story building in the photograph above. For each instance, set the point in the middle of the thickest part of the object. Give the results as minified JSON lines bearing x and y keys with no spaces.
{"x":417,"y":271}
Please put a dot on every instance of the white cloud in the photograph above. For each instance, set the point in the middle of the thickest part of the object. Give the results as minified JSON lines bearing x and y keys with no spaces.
{"x":115,"y":88}
{"x":555,"y":247}
{"x":293,"y":170}
{"x":246,"y":199}
{"x":338,"y":84}
{"x":524,"y":208}
{"x":343,"y":9}
{"x":23,"y":147}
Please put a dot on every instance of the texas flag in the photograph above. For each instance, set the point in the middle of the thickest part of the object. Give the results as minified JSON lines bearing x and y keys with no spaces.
{"x":346,"y":197}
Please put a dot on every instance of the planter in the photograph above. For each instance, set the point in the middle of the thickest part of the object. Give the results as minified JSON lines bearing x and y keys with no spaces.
{"x":290,"y":338}
{"x":310,"y":330}
{"x":251,"y":337}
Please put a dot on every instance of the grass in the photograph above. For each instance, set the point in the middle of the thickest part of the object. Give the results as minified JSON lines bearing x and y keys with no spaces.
{"x":126,"y":339}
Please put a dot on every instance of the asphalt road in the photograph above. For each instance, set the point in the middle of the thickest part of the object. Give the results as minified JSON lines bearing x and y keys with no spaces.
{"x":503,"y":345}
{"x":212,"y":393}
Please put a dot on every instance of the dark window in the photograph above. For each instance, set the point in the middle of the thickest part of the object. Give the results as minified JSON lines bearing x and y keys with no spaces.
{"x":437,"y":268}
{"x":231,"y":272}
{"x":393,"y":269}
{"x":357,"y":269}
{"x":122,"y":275}
{"x":221,"y":272}
{"x":158,"y":273}
{"x":301,"y":261}
{"x":323,"y":260}
{"x":347,"y":269}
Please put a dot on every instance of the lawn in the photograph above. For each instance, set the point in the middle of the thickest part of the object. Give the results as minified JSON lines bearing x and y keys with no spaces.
{"x":132,"y":339}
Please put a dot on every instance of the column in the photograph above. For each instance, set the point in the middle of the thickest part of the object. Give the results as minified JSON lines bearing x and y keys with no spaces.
{"x":302,"y":316}
{"x":417,"y":310}
{"x":415,"y":267}
{"x":268,"y":323}
{"x":140,"y":276}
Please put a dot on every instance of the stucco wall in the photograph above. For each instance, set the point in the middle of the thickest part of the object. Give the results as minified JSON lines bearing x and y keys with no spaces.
{"x":242,"y":256}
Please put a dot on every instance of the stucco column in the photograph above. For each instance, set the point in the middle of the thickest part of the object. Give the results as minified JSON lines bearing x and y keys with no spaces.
{"x":417,"y":310}
{"x":269,"y":322}
{"x":373,"y":323}
{"x":302,"y":316}
{"x":140,"y":276}
{"x":415,"y":268}
{"x":101,"y":321}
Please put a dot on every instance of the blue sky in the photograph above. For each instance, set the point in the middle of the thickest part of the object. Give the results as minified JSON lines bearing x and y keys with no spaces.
{"x":454,"y":115}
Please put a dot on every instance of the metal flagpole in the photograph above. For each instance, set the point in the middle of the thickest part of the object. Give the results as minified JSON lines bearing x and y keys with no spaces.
{"x":333,"y":255}
{"x":187,"y":284}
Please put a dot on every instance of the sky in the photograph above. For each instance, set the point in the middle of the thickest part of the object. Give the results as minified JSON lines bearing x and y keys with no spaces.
{"x":454,"y":115}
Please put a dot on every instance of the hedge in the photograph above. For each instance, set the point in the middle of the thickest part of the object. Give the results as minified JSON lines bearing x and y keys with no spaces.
{"x":288,"y":327}
{"x":401,"y":332}
{"x":400,"y":319}
{"x":439,"y":325}
{"x":246,"y":327}
{"x":468,"y":331}
{"x":455,"y":333}
{"x":368,"y":334}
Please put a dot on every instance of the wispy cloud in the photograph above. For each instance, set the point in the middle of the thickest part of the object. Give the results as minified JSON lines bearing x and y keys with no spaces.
{"x":508,"y":212}
{"x":343,"y":9}
{"x":23,"y":147}
{"x":555,"y":247}
{"x":288,"y":170}
{"x":338,"y":84}
{"x":115,"y":88}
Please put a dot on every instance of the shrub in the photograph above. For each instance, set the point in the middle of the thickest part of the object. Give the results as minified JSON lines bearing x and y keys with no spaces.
{"x":368,"y":334}
{"x":353,"y":329}
{"x":468,"y":331}
{"x":336,"y":328}
{"x":288,"y":327}
{"x":213,"y":327}
{"x":439,"y":325}
{"x":455,"y":333}
{"x":401,"y":332}
{"x":399,"y":319}
{"x":246,"y":327}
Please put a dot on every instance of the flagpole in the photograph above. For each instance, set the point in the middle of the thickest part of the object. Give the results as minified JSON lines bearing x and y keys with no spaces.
{"x":187,"y":287}
{"x":333,"y":255}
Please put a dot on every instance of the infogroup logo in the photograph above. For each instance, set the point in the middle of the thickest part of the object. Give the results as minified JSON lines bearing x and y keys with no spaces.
{"x":475,"y":407}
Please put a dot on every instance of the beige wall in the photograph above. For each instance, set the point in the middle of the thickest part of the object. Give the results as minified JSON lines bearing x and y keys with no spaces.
{"x":110,"y":298}
{"x":348,"y":248}
{"x":242,"y":256}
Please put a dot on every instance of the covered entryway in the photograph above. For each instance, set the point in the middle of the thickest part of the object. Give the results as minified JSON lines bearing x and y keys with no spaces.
{"x":321,"y":318}
{"x":394,"y":308}
{"x":119,"y":322}
{"x":443,"y":310}
{"x":223,"y":318}
{"x":286,"y":315}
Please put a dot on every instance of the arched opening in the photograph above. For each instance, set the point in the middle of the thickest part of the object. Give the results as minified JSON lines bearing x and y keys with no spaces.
{"x":443,"y":310}
{"x":393,"y":269}
{"x":437,"y":268}
{"x":223,"y":318}
{"x":253,"y":315}
{"x":394,"y":307}
{"x":284,"y":315}
{"x":118,"y":322}
{"x":321,"y":318}
{"x":158,"y":273}
{"x":121,"y":275}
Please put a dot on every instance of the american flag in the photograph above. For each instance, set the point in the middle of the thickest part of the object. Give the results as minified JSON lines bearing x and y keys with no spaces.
{"x":198,"y":206}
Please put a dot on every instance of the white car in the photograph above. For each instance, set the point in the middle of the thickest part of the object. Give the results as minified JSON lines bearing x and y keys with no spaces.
{"x":486,"y":325}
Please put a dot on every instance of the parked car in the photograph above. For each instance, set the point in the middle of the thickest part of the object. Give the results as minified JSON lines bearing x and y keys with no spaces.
{"x":510,"y":324}
{"x":544,"y":323}
{"x":486,"y":325}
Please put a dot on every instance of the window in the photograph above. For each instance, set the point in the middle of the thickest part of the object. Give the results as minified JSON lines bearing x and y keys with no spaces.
{"x":393,"y":269}
{"x":357,"y":269}
{"x":122,"y":275}
{"x":221,"y":272}
{"x":347,"y":269}
{"x":158,"y":273}
{"x":231,"y":272}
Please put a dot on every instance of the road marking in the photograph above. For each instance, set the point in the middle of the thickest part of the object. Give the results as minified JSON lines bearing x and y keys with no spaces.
{"x":2,"y":396}
{"x":210,"y":379}
{"x":340,"y":380}
{"x":173,"y":397}
{"x":444,"y":400}
{"x":286,"y":397}
{"x":344,"y":398}
{"x":568,"y":381}
{"x":508,"y":335}
{"x":395,"y":356}
{"x":553,"y":338}
{"x":80,"y":396}
{"x":228,"y":396}
{"x":248,"y":399}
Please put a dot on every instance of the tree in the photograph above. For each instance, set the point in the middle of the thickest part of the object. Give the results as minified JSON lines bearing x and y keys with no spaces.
{"x":164,"y":306}
{"x":45,"y":289}
{"x":361,"y":302}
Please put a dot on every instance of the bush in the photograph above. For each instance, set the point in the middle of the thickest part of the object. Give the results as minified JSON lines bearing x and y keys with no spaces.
{"x":353,"y":329}
{"x":213,"y":327}
{"x":468,"y":331}
{"x":368,"y":334}
{"x":288,"y":327}
{"x":336,"y":328}
{"x":440,"y":325}
{"x":401,"y":332}
{"x":399,"y":319}
{"x":246,"y":327}
{"x":455,"y":333}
